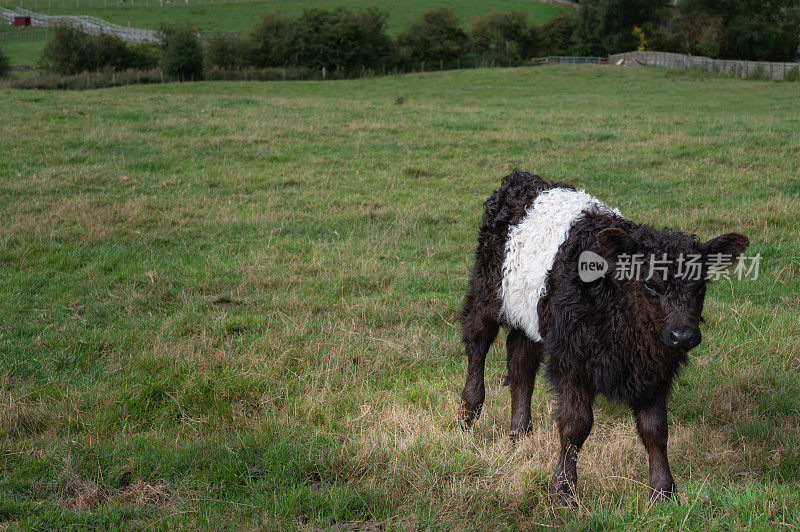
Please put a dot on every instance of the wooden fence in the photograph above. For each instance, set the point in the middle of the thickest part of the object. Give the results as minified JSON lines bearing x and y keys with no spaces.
{"x":728,"y":67}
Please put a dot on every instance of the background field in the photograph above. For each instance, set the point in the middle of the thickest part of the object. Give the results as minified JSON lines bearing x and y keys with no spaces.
{"x":242,"y":17}
{"x":236,"y":304}
{"x":22,"y":47}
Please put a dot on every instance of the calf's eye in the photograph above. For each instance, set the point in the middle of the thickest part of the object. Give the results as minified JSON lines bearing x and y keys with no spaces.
{"x":650,"y":290}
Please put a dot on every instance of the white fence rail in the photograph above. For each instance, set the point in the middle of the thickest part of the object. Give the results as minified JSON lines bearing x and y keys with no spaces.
{"x":729,"y":67}
{"x":85,"y":23}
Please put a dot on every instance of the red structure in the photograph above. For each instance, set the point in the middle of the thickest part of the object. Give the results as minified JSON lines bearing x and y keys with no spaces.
{"x":22,"y":21}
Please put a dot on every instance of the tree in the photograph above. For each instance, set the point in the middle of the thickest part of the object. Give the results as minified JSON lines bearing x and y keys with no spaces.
{"x":755,"y":29}
{"x":340,"y":38}
{"x":226,"y":50}
{"x":606,"y":26}
{"x":70,"y":51}
{"x":435,"y":36}
{"x":67,"y":52}
{"x":272,"y":43}
{"x":4,"y":65}
{"x":555,"y":35}
{"x":503,"y":36}
{"x":108,"y":51}
{"x":144,"y":55}
{"x":181,"y":53}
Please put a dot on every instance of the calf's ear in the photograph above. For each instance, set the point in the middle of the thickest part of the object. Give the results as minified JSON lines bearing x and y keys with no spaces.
{"x":728,"y":246}
{"x":614,"y":242}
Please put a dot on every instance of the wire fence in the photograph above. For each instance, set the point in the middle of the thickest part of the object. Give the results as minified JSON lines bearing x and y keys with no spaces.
{"x":729,"y":67}
{"x":48,"y":5}
{"x":36,"y":79}
{"x":569,"y":60}
{"x":24,"y":34}
{"x":85,"y":23}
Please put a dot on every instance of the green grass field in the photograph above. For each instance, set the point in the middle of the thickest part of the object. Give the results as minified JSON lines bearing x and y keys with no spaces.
{"x":235,"y":305}
{"x":23,"y":52}
{"x":242,"y":17}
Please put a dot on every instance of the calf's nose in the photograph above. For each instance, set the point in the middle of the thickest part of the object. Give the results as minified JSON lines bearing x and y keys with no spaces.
{"x":685,"y":336}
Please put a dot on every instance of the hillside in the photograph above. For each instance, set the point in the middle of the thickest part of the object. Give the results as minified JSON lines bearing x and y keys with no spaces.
{"x":241,"y":17}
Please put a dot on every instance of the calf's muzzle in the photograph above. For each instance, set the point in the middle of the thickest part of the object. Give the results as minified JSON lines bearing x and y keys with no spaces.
{"x":681,"y":337}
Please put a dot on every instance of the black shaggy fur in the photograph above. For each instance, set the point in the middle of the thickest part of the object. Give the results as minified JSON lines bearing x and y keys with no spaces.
{"x":625,"y":339}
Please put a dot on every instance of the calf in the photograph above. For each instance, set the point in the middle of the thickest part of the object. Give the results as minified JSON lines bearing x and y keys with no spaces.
{"x":621,"y":336}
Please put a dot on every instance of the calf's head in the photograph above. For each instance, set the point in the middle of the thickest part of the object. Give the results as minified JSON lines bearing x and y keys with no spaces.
{"x":662,"y":278}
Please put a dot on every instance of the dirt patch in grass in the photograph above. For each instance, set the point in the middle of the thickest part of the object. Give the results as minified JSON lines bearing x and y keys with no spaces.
{"x":87,"y":495}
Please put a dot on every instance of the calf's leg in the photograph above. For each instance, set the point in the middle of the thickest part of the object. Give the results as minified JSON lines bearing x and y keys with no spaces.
{"x":651,"y":422}
{"x":575,"y":420}
{"x":524,"y":356}
{"x":479,"y":333}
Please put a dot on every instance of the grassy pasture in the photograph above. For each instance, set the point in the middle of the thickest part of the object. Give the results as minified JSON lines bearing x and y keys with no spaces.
{"x":241,"y":17}
{"x":236,"y":304}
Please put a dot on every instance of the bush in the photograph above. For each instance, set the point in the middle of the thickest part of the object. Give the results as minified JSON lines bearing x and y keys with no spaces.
{"x":226,"y":51}
{"x":703,"y":34}
{"x":435,"y":36}
{"x":144,"y":55}
{"x":262,"y":74}
{"x":4,"y":65}
{"x":70,"y":51}
{"x":271,"y":42}
{"x":181,"y":52}
{"x":793,"y":74}
{"x":107,"y":51}
{"x":67,"y":52}
{"x":555,"y":35}
{"x":667,"y":38}
{"x":503,"y":36}
{"x":758,"y":73}
{"x":85,"y":80}
{"x":340,"y":39}
{"x":710,"y":43}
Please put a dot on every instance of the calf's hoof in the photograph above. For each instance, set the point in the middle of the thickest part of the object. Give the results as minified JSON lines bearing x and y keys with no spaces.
{"x":663,"y":495}
{"x":519,"y":433}
{"x":467,"y":415}
{"x":563,"y":498}
{"x":563,"y":491}
{"x":563,"y":487}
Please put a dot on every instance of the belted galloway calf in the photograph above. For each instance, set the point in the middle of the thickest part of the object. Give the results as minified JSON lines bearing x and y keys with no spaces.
{"x":623,"y":336}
